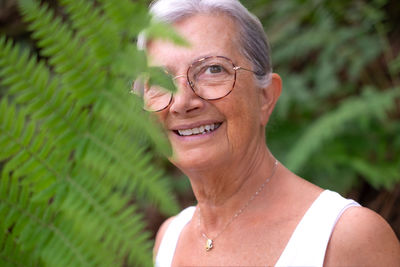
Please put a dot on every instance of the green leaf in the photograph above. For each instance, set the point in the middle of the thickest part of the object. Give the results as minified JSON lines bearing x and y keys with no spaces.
{"x":159,"y":77}
{"x":372,"y":104}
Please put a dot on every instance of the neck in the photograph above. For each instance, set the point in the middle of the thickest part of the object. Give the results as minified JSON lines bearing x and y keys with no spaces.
{"x":222,"y":192}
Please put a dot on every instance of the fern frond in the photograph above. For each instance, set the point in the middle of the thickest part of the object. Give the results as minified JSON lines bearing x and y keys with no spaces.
{"x":24,"y":152}
{"x":11,"y":254}
{"x":75,"y":151}
{"x":373,"y":104}
{"x":26,"y":162}
{"x":87,"y":19}
{"x":30,"y":168}
{"x":31,"y":226}
{"x":105,"y":222}
{"x":64,"y":120}
{"x":136,"y":174}
{"x":30,"y":85}
{"x":126,"y":113}
{"x":125,"y":14}
{"x":119,"y":152}
{"x":75,"y":60}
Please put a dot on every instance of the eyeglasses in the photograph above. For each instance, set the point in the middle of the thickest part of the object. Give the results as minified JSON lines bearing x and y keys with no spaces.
{"x":210,"y":78}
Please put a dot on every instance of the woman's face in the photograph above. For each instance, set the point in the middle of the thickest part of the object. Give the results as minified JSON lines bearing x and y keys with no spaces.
{"x":238,"y":119}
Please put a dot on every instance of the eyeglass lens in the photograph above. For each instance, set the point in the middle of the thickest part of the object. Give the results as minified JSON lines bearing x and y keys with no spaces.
{"x":210,"y":78}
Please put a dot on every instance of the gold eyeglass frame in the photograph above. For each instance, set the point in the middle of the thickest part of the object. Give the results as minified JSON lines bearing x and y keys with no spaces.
{"x":192,"y":85}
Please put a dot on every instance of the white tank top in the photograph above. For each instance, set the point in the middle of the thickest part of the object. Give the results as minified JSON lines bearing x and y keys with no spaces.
{"x":306,"y":246}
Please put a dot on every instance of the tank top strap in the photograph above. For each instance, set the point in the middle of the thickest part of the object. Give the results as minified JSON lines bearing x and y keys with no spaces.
{"x":308,"y":243}
{"x":170,"y":239}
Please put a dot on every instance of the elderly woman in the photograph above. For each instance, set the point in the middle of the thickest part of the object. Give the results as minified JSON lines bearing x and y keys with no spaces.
{"x":251,"y":210}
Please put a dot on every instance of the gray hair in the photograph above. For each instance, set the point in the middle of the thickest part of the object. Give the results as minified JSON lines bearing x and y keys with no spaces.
{"x":254,"y":43}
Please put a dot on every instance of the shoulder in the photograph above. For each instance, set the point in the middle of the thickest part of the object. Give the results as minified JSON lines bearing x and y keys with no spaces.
{"x":160,"y":235}
{"x":179,"y":221}
{"x":362,"y":238}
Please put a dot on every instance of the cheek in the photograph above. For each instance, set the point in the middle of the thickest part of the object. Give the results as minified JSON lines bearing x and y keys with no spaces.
{"x":242,"y":121}
{"x":245,"y":104}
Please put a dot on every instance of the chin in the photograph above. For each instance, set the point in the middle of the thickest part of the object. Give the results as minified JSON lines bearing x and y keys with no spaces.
{"x":190,"y":161}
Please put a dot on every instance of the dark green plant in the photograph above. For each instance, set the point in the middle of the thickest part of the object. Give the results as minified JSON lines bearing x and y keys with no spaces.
{"x":78,"y":155}
{"x":338,"y":117}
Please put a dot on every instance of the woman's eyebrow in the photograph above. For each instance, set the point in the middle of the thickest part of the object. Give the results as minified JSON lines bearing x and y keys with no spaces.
{"x":172,"y":69}
{"x":204,"y":56}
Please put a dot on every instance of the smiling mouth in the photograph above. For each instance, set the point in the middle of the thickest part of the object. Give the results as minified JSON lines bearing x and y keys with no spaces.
{"x":203,"y":129}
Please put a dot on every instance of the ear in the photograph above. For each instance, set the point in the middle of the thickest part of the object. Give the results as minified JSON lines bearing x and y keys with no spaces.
{"x":269,"y":95}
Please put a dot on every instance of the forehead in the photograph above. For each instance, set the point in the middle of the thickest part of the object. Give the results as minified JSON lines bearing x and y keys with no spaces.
{"x":207,"y":34}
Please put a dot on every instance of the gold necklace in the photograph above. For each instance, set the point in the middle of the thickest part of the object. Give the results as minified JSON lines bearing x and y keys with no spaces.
{"x":210,"y":241}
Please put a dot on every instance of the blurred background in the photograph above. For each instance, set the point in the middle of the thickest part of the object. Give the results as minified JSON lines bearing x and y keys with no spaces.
{"x":337,"y":123}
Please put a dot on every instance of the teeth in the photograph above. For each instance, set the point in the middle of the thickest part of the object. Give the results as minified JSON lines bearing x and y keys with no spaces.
{"x":199,"y":130}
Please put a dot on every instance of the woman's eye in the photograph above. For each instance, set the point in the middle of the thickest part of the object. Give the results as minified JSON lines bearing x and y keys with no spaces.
{"x":214,"y":69}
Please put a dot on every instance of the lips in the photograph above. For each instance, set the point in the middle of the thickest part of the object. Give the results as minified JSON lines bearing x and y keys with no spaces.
{"x":202,"y":129}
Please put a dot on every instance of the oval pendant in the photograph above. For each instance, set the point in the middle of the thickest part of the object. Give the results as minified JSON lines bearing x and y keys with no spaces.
{"x":209,"y":244}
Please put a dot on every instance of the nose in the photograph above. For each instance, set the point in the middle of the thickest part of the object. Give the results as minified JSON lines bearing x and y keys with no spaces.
{"x":185,"y":100}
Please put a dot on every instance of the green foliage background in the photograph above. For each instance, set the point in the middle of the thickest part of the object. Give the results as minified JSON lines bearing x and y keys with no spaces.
{"x":338,"y":118}
{"x":81,"y":163}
